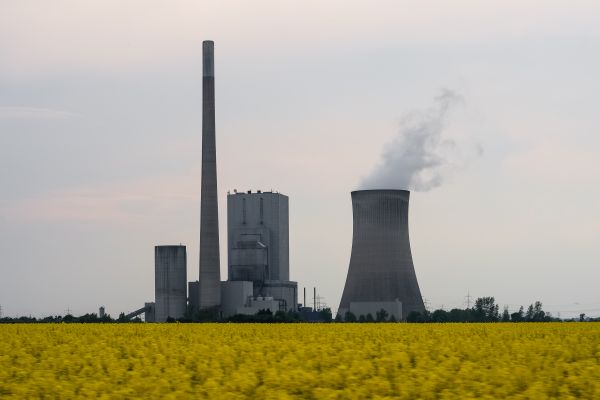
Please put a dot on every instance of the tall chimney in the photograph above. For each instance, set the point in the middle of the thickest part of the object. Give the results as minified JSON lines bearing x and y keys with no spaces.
{"x":210,"y":270}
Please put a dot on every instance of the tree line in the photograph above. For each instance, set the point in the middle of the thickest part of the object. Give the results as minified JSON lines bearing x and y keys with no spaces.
{"x":485,"y":309}
{"x":68,"y":318}
{"x":207,"y":315}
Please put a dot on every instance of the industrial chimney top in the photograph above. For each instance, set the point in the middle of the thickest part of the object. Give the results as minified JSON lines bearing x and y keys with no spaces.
{"x":381,"y":190}
{"x":208,"y":58}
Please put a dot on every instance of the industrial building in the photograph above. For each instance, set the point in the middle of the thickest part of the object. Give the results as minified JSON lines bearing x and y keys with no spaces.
{"x":258,"y":256}
{"x":170,"y":266}
{"x":381,"y":274}
{"x":258,"y":250}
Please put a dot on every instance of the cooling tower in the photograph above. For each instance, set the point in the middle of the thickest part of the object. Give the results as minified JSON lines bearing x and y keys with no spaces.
{"x":210,"y":270}
{"x":381,"y":271}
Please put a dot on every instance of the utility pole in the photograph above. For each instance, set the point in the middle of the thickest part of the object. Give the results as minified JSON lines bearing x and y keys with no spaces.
{"x":0,"y":310}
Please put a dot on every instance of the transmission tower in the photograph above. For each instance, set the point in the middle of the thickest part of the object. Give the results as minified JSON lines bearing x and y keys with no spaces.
{"x":468,"y":297}
{"x":426,"y":303}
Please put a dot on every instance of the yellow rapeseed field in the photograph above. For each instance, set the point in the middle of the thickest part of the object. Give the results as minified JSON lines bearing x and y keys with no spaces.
{"x":309,"y":361}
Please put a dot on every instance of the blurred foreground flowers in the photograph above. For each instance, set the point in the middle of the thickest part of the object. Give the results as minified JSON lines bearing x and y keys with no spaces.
{"x":311,"y":361}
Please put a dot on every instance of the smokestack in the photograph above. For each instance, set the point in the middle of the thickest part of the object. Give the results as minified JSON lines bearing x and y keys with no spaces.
{"x":210,"y":270}
{"x":381,"y":271}
{"x":304,"y":303}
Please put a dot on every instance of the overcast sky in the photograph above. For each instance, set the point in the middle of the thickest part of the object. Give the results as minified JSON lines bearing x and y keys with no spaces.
{"x":100,"y":141}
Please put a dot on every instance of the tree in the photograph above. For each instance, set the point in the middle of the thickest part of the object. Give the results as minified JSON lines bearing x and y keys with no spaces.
{"x":210,"y":314}
{"x":369,"y":318}
{"x":535,"y":313}
{"x":338,"y":318}
{"x":517,"y":316}
{"x":281,"y":316}
{"x":529,"y":313}
{"x":439,"y":316}
{"x":415,"y":316}
{"x":264,"y":315}
{"x":458,"y":315}
{"x":325,"y":315}
{"x":349,"y":317}
{"x":505,"y":315}
{"x":381,"y":315}
{"x":485,"y":310}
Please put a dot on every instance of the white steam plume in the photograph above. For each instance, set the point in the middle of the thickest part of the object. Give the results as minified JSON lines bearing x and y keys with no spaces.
{"x":420,"y":156}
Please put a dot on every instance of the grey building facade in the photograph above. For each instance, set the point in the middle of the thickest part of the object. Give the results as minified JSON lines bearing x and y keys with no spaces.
{"x":170,"y":283}
{"x":258,"y":245}
{"x":381,"y":268}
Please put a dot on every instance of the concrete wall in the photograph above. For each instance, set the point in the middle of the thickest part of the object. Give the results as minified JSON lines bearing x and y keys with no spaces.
{"x":258,"y":236}
{"x":150,"y":312}
{"x":282,"y":291}
{"x":381,"y":267}
{"x":194,"y":295}
{"x":234,"y":295}
{"x":170,"y":265}
{"x":359,"y":308}
{"x":260,"y":303}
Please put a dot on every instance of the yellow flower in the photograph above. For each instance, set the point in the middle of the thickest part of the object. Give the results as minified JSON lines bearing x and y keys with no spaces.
{"x":300,"y":361}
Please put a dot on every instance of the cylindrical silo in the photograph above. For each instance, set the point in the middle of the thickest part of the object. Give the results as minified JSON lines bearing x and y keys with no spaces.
{"x":170,"y":283}
{"x":381,"y":272}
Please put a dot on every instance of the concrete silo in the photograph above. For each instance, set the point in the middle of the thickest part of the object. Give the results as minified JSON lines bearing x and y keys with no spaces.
{"x":170,"y":264}
{"x":381,"y":272}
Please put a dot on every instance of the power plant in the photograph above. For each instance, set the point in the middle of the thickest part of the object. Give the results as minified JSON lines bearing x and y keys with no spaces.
{"x":381,"y":274}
